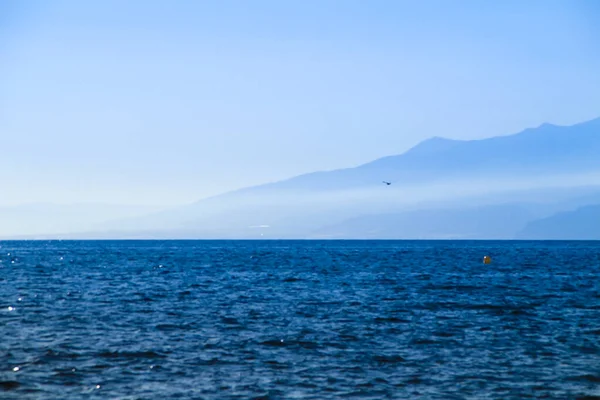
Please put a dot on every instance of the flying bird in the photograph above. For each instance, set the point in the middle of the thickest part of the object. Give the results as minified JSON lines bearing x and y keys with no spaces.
{"x":387,"y":183}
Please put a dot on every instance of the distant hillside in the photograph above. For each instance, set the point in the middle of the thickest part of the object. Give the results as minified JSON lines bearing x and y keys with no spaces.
{"x":580,"y":224}
{"x":490,"y":222}
{"x":539,"y":151}
{"x":437,"y":169}
{"x":440,"y":188}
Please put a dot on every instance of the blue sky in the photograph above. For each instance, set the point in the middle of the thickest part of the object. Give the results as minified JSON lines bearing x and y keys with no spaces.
{"x":165,"y":102}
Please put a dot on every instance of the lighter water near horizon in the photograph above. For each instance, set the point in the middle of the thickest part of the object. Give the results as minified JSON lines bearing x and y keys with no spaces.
{"x":299,"y":319}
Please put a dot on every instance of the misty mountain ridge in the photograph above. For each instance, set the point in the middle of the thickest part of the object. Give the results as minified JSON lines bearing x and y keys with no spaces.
{"x":462,"y":168}
{"x":580,"y":224}
{"x":546,"y":149}
{"x":549,"y":168}
{"x":491,"y":222}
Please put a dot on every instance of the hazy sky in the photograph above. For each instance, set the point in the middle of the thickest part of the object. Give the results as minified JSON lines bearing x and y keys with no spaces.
{"x":165,"y":102}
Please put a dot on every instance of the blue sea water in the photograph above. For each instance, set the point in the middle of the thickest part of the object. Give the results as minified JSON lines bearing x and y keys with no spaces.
{"x":313,"y":320}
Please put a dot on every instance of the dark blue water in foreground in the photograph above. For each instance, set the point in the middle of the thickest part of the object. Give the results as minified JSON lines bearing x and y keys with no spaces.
{"x":318,"y":320}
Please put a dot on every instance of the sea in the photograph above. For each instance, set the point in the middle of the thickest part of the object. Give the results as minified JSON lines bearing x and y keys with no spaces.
{"x":299,"y":320}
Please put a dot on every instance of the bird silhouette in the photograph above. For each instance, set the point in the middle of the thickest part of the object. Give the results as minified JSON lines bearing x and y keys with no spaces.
{"x":387,"y":183}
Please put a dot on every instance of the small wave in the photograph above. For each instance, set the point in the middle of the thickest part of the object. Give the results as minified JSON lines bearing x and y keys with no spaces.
{"x":210,"y":361}
{"x":485,"y":307}
{"x":230,"y":321}
{"x":274,"y":343}
{"x":265,"y":397}
{"x":101,"y":366}
{"x":172,"y":327}
{"x":465,"y":288}
{"x":131,"y":354}
{"x":423,"y":341}
{"x":307,"y":344}
{"x":9,"y":385}
{"x":52,"y":355}
{"x":391,"y":320}
{"x":586,"y":378}
{"x":415,"y":380}
{"x":443,"y":334}
{"x":392,"y":359}
{"x":276,"y":364}
{"x":66,"y":373}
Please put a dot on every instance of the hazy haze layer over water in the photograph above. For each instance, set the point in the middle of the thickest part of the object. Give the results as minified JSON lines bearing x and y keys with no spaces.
{"x":318,"y":320}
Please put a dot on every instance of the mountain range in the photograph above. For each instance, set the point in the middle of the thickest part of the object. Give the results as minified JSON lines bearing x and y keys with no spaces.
{"x":542,"y":183}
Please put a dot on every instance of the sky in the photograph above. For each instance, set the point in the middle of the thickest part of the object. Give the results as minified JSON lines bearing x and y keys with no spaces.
{"x":166,"y":102}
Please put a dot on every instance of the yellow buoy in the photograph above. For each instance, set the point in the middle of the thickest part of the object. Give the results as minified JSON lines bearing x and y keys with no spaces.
{"x":487,"y":260}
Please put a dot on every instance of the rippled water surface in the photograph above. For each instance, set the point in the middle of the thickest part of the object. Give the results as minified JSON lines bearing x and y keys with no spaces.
{"x":317,"y":320}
